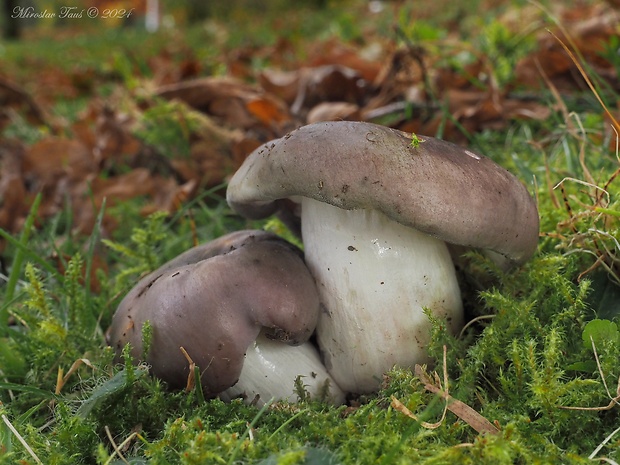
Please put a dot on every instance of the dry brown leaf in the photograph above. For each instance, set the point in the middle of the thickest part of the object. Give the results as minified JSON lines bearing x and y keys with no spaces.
{"x":227,"y":99}
{"x":522,"y":109}
{"x":554,"y":63}
{"x":89,"y":199}
{"x":107,"y":133}
{"x":213,"y":154}
{"x":590,"y":30}
{"x":50,"y":160}
{"x":62,"y":380}
{"x":200,"y":93}
{"x":460,"y":409}
{"x":334,"y":111}
{"x":334,"y":52}
{"x":400,"y":407}
{"x":12,"y":95}
{"x":14,"y":199}
{"x":56,"y":167}
{"x":450,"y":78}
{"x":282,"y":84}
{"x":402,"y":71}
{"x":210,"y":166}
{"x":166,"y":70}
{"x":470,"y":104}
{"x":268,"y":111}
{"x":328,"y":83}
{"x":126,"y":186}
{"x":169,"y":196}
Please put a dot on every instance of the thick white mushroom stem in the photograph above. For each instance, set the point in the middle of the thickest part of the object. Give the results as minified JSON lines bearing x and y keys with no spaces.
{"x":375,"y":277}
{"x":275,"y":370}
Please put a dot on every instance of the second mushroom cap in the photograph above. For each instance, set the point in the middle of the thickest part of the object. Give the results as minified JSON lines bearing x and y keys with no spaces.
{"x":213,"y":301}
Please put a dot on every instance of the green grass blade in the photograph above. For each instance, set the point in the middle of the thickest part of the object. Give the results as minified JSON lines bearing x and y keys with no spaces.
{"x":17,"y":264}
{"x":260,"y":413}
{"x":25,"y":388}
{"x":118,"y":382}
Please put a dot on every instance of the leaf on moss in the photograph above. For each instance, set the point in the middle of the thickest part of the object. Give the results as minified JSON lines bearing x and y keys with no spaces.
{"x":599,"y":331}
{"x":115,"y":384}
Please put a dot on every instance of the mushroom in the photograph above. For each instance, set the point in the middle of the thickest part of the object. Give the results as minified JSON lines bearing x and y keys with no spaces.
{"x":377,"y":209}
{"x":214,"y":301}
{"x":273,"y":370}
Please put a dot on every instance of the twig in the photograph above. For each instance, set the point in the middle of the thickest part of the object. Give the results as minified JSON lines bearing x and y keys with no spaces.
{"x":600,"y":370}
{"x":460,"y":409}
{"x":614,"y":400}
{"x":399,"y":406}
{"x":602,"y":444}
{"x":473,"y":321}
{"x":587,"y":79}
{"x":191,"y":377}
{"x":579,"y":181}
{"x":21,"y":439}
{"x":62,"y":380}
{"x":10,"y":391}
{"x":114,"y":446}
{"x":574,"y":59}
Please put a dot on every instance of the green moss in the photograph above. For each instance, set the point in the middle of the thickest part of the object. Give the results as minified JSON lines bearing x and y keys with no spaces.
{"x":519,"y":368}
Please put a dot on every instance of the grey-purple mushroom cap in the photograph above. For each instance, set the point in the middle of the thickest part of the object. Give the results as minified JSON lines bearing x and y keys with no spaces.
{"x":213,"y":301}
{"x":434,"y":186}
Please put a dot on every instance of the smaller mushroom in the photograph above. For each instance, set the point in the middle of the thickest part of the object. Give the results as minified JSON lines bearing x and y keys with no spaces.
{"x":275,"y":370}
{"x":214,"y":301}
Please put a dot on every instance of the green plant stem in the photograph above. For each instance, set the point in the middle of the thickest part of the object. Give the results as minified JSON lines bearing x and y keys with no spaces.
{"x":260,"y":413}
{"x":607,"y":211}
{"x":199,"y":392}
{"x":283,"y":425}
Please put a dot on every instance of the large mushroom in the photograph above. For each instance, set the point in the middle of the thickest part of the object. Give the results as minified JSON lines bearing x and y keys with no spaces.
{"x":215,"y":301}
{"x":377,"y":209}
